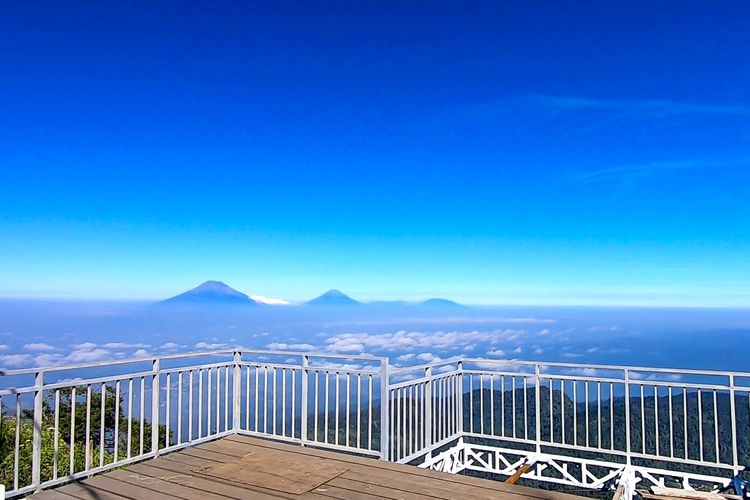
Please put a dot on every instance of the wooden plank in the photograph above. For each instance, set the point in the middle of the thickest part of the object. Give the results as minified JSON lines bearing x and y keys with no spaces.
{"x":55,"y":494}
{"x":427,"y":486}
{"x":238,"y":445}
{"x":680,"y":493}
{"x":182,"y":473}
{"x":374,"y":489}
{"x":163,"y":485}
{"x":87,"y":492}
{"x":107,"y":483}
{"x":345,"y":494}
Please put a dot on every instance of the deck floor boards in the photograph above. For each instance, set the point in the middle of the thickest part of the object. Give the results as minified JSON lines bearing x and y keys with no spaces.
{"x":175,"y":475}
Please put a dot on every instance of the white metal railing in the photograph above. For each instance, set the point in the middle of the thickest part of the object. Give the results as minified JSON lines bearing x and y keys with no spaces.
{"x":588,"y":424}
{"x":62,"y":423}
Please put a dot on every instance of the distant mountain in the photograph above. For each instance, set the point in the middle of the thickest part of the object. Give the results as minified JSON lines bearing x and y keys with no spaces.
{"x":211,"y":293}
{"x":333,"y":298}
{"x":440,"y":304}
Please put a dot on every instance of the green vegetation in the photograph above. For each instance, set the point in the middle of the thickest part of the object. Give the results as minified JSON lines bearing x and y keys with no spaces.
{"x":56,"y":450}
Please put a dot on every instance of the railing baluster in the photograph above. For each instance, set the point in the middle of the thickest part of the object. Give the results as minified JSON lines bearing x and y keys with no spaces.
{"x":265,"y":400}
{"x":656,"y":420}
{"x":36,"y":444}
{"x":700,"y":424}
{"x":359,"y":410}
{"x":643,"y":421}
{"x":87,"y":453}
{"x":384,"y":404}
{"x":55,"y":446}
{"x":336,"y":400}
{"x":71,"y":447}
{"x":190,"y":405}
{"x":179,"y":408}
{"x":283,"y":401}
{"x":294,"y":399}
{"x":716,"y":429}
{"x":257,"y":397}
{"x":247,"y":398}
{"x":200,"y":403}
{"x":369,"y":415}
{"x":275,"y":403}
{"x":155,"y":395}
{"x":142,"y":428}
{"x":102,"y":430}
{"x":671,"y":435}
{"x":167,"y":416}
{"x":325,"y":436}
{"x":492,"y":404}
{"x":130,"y":416}
{"x":348,"y":405}
{"x":17,"y":447}
{"x":226,"y":399}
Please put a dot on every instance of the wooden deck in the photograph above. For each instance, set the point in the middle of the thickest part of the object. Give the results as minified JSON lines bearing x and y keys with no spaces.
{"x":183,"y":474}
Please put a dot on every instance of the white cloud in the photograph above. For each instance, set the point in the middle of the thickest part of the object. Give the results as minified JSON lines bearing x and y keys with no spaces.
{"x":141,"y":353}
{"x":88,"y":355}
{"x":39,"y":346}
{"x":518,"y":350}
{"x":47,"y":359}
{"x":171,"y":346}
{"x":538,"y":350}
{"x":498,"y":353}
{"x":270,"y":301}
{"x":206,"y":345}
{"x":86,"y":346}
{"x":124,"y":345}
{"x":403,"y":340}
{"x":572,"y":355}
{"x":406,"y":357}
{"x":15,"y":360}
{"x":283,"y":346}
{"x":428,"y":357}
{"x":4,"y":347}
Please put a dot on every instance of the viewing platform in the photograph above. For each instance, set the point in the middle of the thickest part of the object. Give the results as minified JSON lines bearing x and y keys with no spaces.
{"x":269,"y":424}
{"x":260,"y":469}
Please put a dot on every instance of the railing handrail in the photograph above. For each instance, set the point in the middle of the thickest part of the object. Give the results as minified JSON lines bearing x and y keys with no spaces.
{"x":193,"y":354}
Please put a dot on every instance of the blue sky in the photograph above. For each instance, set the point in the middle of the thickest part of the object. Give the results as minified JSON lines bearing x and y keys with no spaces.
{"x":497,"y":152}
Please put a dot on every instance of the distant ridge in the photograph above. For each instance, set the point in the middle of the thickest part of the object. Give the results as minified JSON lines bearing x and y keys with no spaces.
{"x":438,"y":303}
{"x":333,"y":298}
{"x":211,"y":293}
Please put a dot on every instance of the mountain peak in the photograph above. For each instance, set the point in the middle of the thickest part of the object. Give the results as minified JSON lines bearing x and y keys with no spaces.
{"x":438,"y":303}
{"x":211,"y":292}
{"x":333,"y":297}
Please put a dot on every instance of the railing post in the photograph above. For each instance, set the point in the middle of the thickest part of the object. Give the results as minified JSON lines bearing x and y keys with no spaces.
{"x":155,"y":395}
{"x":460,"y":415}
{"x":627,"y":416}
{"x":428,"y":410}
{"x":384,"y":403}
{"x":36,"y":443}
{"x":304,"y":402}
{"x":236,"y":388}
{"x":538,"y":407}
{"x":733,"y":410}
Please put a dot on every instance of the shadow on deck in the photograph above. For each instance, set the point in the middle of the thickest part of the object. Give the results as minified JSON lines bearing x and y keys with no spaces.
{"x":248,"y":468}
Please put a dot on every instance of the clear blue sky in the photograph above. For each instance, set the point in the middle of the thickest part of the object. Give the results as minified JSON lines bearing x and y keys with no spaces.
{"x":491,"y":152}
